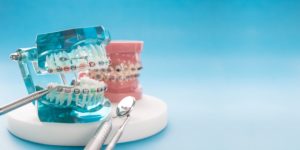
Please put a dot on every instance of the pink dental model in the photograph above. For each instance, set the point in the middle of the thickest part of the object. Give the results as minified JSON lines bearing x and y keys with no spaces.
{"x":122,"y":75}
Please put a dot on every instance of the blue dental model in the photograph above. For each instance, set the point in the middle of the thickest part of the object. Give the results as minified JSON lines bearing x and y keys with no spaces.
{"x":57,"y":59}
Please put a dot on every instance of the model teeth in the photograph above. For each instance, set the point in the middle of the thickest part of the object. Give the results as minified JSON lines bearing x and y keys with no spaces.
{"x":121,"y":72}
{"x":80,"y":59}
{"x":69,"y":99}
{"x":87,"y":93}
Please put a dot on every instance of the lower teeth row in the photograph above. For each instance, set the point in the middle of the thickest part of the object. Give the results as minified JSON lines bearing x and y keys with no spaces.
{"x":79,"y":98}
{"x":87,"y":93}
{"x":79,"y":91}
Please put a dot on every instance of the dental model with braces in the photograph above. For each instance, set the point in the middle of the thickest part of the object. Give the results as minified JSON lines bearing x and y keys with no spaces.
{"x":72,"y":77}
{"x":122,"y":74}
{"x":57,"y":60}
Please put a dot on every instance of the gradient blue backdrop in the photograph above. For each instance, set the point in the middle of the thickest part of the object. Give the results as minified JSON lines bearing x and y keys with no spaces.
{"x":229,"y":71}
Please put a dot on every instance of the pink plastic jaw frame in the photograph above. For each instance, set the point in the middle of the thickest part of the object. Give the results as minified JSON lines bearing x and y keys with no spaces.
{"x":121,"y":76}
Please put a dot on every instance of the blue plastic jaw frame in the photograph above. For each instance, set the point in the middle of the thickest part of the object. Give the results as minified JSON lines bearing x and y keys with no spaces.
{"x":88,"y":43}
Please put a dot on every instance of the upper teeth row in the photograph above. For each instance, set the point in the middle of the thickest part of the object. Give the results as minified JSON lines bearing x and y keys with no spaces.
{"x":119,"y":72}
{"x":82,"y":58}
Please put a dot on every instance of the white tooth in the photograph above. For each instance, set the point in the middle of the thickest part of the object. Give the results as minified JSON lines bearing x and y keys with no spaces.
{"x":57,"y":97}
{"x":63,"y":62}
{"x":96,"y":55}
{"x":87,"y":52}
{"x":67,"y":62}
{"x":90,"y":54}
{"x":101,"y":50}
{"x":59,"y":55}
{"x":102,"y":97}
{"x":89,"y":101}
{"x":91,"y":58}
{"x":69,"y":99}
{"x":58,"y":62}
{"x":106,"y":60}
{"x":51,"y":96}
{"x":83,"y":55}
{"x":64,"y":55}
{"x":102,"y":53}
{"x":52,"y":62}
{"x":74,"y":56}
{"x":56,"y":59}
{"x":84,"y":100}
{"x":96,"y":99}
{"x":72,"y":61}
{"x":84,"y":52}
{"x":83,"y":61}
{"x":95,"y":50}
{"x":61,"y":98}
{"x":78,"y":51}
{"x":77,"y":99}
{"x":69,"y":56}
{"x":79,"y":59}
{"x":57,"y":100}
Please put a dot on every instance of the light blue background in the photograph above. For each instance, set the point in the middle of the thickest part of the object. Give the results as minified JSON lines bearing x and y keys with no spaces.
{"x":229,"y":71}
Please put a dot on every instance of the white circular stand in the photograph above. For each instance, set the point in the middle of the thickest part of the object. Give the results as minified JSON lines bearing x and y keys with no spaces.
{"x":148,"y":118}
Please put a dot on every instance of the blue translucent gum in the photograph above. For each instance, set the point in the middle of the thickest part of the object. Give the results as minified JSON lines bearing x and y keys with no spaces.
{"x":36,"y":75}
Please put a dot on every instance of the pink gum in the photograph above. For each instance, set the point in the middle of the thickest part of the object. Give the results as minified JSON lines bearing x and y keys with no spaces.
{"x":117,"y":97}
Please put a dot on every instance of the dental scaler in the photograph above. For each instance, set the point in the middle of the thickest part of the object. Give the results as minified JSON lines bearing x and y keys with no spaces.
{"x":50,"y":72}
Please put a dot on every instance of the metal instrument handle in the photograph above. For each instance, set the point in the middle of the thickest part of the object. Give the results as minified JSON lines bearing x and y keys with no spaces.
{"x":22,"y":101}
{"x":117,"y":136}
{"x":99,"y":138}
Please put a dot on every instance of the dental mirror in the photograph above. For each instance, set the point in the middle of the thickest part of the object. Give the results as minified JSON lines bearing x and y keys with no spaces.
{"x":125,"y":106}
{"x":123,"y":109}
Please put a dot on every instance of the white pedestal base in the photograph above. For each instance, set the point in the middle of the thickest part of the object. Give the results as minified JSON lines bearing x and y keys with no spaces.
{"x":148,"y":118}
